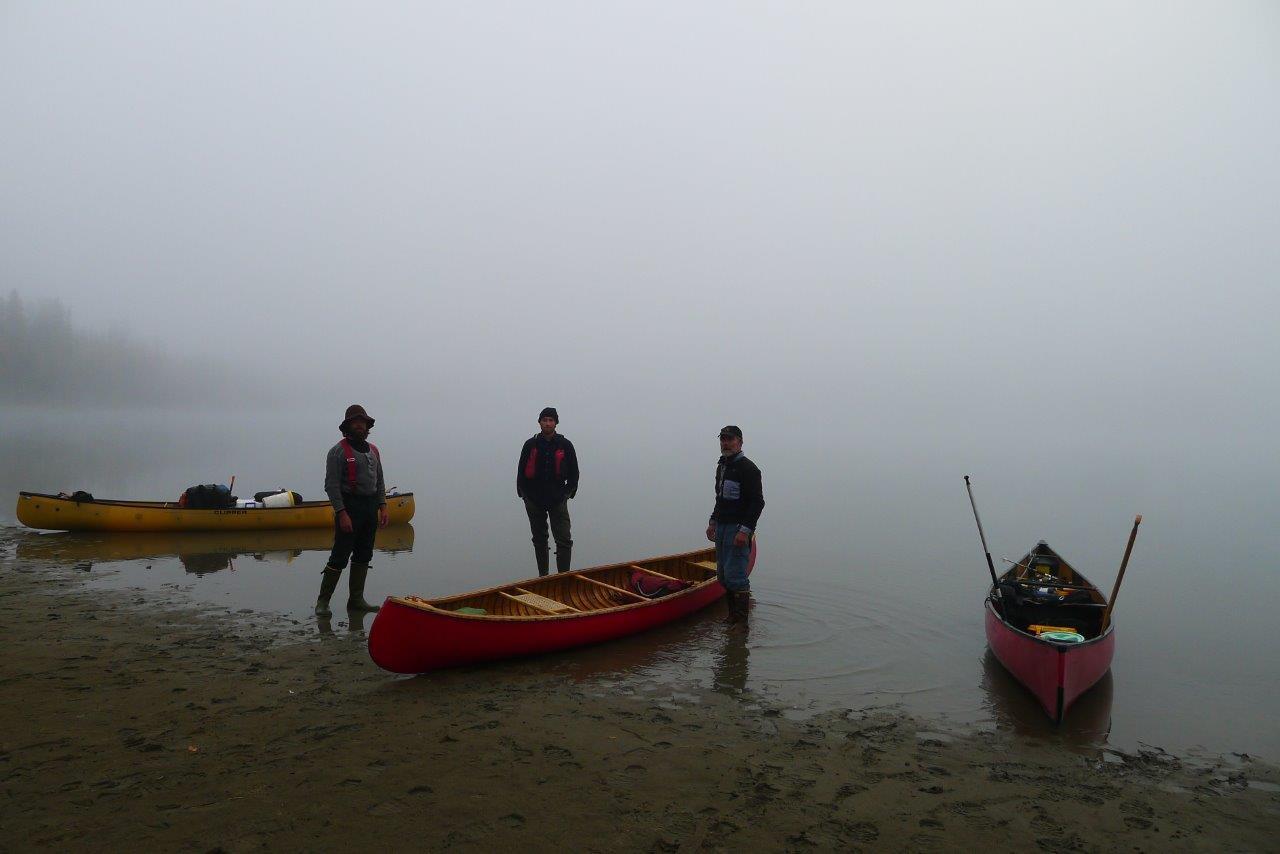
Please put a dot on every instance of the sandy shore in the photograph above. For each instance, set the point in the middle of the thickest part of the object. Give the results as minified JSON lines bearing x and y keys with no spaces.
{"x":126,"y":723}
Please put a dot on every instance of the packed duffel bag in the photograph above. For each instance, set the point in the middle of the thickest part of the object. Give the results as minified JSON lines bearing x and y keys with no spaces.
{"x":207,"y":496}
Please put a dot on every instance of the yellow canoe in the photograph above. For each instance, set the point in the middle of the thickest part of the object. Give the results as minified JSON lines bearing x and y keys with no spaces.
{"x":54,"y":513}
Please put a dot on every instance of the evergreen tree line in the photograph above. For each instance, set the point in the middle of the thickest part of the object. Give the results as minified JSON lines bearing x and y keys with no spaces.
{"x":44,"y":358}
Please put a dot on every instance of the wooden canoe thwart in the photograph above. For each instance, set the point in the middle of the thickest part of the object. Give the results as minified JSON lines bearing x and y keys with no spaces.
{"x":56,"y":513}
{"x":1043,"y":594}
{"x":415,"y":635}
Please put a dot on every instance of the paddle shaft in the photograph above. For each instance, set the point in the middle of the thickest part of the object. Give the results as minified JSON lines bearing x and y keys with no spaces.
{"x":981,"y":534}
{"x":1115,"y":591}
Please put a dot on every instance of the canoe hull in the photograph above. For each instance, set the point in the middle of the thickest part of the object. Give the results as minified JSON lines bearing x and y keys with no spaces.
{"x":52,"y":513}
{"x":411,"y":635}
{"x":405,"y":639}
{"x":1056,"y":674}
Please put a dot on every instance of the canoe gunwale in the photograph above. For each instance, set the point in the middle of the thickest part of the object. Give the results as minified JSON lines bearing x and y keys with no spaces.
{"x":432,"y":606}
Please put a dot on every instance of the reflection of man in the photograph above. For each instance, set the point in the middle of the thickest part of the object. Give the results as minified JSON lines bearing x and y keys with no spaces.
{"x":732,"y":667}
{"x":354,"y":483}
{"x":739,"y":502}
{"x":546,"y":478}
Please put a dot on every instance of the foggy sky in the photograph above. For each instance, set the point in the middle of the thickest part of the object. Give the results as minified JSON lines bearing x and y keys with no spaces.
{"x":822,"y":203}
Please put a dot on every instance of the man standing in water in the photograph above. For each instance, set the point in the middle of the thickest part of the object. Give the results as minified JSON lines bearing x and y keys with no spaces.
{"x":354,"y":483}
{"x":739,"y":502}
{"x":546,"y":478}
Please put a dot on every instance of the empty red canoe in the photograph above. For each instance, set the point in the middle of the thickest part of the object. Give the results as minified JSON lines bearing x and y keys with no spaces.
{"x":415,"y":635}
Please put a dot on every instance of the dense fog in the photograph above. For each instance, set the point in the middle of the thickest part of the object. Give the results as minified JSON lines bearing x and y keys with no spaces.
{"x":937,"y":236}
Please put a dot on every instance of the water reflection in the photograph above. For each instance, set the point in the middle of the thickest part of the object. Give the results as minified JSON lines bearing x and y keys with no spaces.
{"x":729,"y":675}
{"x":356,"y":624}
{"x":200,"y":552}
{"x":1086,"y":724}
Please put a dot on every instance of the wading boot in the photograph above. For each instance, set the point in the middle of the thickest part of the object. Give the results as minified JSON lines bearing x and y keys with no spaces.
{"x":355,"y":602}
{"x":563,"y":554}
{"x":328,"y":584}
{"x":739,"y":601}
{"x":544,"y":559}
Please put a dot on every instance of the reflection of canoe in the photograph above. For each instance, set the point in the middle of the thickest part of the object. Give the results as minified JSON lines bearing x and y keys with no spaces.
{"x":79,"y":546}
{"x":1012,"y":706}
{"x":1057,"y":673}
{"x":63,"y":514}
{"x":413,"y":635}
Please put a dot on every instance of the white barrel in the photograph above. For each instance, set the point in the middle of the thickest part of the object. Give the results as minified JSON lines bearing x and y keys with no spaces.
{"x":280,"y":499}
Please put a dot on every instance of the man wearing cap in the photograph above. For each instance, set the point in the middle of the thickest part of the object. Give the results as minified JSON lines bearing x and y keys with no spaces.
{"x":739,"y":502}
{"x":546,"y":478}
{"x":354,"y":483}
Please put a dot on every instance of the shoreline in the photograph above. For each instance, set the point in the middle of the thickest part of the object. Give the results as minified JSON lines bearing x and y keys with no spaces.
{"x":128,"y":721}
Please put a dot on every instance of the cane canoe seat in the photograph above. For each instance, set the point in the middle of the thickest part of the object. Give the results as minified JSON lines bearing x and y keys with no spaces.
{"x":542,"y":603}
{"x":704,"y":565}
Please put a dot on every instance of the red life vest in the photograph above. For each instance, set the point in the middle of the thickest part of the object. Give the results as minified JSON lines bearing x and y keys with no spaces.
{"x":351,"y":461}
{"x":531,"y":466}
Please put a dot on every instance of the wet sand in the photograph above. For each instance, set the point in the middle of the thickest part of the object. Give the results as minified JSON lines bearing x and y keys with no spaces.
{"x":127,"y":723}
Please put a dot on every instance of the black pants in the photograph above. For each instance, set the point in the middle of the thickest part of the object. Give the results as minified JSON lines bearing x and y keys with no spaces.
{"x":358,"y":545}
{"x":559,"y":516}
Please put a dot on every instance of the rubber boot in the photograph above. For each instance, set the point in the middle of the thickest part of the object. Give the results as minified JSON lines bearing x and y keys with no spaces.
{"x":739,"y":602}
{"x":563,"y":555}
{"x":328,"y":584}
{"x":544,"y":559}
{"x":355,"y":602}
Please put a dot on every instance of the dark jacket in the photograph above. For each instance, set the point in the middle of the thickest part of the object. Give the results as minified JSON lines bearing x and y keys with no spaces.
{"x":547,"y":472}
{"x":739,"y":492}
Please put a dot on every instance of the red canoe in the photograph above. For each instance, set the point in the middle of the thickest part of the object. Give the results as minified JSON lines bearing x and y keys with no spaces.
{"x":414,"y":635}
{"x":1040,"y":594}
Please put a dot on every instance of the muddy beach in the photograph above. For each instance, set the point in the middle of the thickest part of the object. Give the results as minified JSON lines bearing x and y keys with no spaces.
{"x":133,"y":723}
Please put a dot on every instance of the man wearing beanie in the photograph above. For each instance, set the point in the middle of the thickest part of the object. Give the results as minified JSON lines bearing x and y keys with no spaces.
{"x":546,"y":478}
{"x":354,"y":483}
{"x":739,"y":502}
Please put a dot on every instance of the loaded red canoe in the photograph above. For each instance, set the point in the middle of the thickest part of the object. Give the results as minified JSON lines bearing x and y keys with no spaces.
{"x":1044,"y":624}
{"x":415,"y":635}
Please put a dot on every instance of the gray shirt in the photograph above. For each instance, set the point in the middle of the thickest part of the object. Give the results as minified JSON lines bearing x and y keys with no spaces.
{"x":368,"y":476}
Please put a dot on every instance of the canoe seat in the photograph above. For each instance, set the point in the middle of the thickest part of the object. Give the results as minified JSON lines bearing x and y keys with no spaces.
{"x":542,"y":603}
{"x":705,"y":565}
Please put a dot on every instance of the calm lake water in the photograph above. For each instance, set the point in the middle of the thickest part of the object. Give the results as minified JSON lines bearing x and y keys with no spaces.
{"x":870,"y":581}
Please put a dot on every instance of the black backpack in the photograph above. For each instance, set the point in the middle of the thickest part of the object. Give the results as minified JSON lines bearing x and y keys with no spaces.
{"x":208,"y":496}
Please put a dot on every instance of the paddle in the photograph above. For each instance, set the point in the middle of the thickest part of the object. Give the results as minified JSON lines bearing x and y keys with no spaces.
{"x":1111,"y":603}
{"x":990,"y":564}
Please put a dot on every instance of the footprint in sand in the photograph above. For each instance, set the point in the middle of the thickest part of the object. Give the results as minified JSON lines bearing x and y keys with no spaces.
{"x":386,"y":808}
{"x":553,"y":752}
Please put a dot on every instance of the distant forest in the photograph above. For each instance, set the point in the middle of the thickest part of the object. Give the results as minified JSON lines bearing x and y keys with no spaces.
{"x":44,"y":358}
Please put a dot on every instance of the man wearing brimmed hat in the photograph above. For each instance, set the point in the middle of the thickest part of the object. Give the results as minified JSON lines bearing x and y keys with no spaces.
{"x":354,"y":483}
{"x":739,"y":502}
{"x":546,"y":478}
